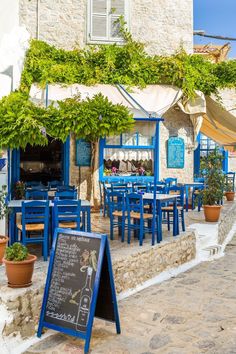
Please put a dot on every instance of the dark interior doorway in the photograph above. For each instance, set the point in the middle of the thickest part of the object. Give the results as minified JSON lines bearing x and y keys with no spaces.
{"x":42,"y":163}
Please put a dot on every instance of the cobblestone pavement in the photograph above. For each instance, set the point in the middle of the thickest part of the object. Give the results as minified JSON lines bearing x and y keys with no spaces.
{"x":192,"y":313}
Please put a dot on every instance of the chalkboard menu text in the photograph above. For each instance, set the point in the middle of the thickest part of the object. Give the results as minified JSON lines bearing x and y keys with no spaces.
{"x":83,"y":152}
{"x":175,"y":152}
{"x":79,"y":285}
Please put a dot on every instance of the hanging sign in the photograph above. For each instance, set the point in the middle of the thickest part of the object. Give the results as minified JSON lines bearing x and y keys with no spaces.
{"x":79,"y":285}
{"x":83,"y":152}
{"x":175,"y":152}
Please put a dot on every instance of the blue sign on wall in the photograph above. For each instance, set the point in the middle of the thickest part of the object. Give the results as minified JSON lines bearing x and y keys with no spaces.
{"x":83,"y":152}
{"x":175,"y":153}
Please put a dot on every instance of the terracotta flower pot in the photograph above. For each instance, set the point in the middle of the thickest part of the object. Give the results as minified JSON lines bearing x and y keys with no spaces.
{"x":230,"y":196}
{"x":212,"y":212}
{"x":3,"y":243}
{"x":20,"y":273}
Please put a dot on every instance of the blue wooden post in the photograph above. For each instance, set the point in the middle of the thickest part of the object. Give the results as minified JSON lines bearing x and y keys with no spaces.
{"x":66,"y":161}
{"x":156,"y":177}
{"x":225,"y":164}
{"x":197,"y":157}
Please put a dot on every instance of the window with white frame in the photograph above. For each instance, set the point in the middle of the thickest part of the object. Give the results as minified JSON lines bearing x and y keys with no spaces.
{"x":103,"y":20}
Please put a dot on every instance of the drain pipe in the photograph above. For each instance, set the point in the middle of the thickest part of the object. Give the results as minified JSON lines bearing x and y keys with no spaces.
{"x":37,"y":19}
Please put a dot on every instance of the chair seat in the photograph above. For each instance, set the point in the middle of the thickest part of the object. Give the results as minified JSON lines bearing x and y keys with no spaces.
{"x":170,"y":208}
{"x":31,"y":227}
{"x":146,"y":207}
{"x":135,"y":215}
{"x":68,"y":224}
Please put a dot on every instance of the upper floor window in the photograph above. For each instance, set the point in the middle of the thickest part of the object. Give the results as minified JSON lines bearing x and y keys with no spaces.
{"x":103,"y":20}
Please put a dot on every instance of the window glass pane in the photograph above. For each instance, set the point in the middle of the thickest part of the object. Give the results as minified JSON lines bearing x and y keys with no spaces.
{"x":203,"y":143}
{"x":99,"y":26}
{"x":129,"y":139}
{"x":144,"y":140}
{"x":118,"y":7}
{"x":99,"y":6}
{"x":128,"y":162}
{"x":113,"y":140}
{"x":115,"y":27}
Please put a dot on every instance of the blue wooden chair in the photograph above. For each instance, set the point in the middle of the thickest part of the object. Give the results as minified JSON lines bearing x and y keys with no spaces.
{"x":137,"y":219}
{"x":67,"y":214}
{"x":69,"y":194}
{"x":140,"y":187}
{"x":196,"y":197}
{"x":230,"y":179}
{"x":33,"y":184}
{"x":64,"y":188}
{"x":54,"y":184}
{"x":117,"y":213}
{"x":35,"y":219}
{"x":170,"y":181}
{"x":120,"y":187}
{"x":104,"y":192}
{"x":36,"y":194}
{"x":169,"y":209}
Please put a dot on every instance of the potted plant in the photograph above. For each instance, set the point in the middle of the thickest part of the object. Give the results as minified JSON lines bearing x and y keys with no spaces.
{"x":214,"y":185}
{"x":3,"y":212}
{"x":19,"y":265}
{"x":19,"y":190}
{"x":229,"y":191}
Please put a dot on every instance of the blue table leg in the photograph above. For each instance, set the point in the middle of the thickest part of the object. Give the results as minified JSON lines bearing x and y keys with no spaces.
{"x":186,"y":198}
{"x":159,"y":226}
{"x":175,"y":219}
{"x":88,"y":219}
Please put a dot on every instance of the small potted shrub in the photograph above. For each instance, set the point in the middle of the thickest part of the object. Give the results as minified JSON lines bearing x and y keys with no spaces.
{"x":229,"y":191}
{"x":214,"y":185}
{"x":19,"y":265}
{"x":19,"y":190}
{"x":3,"y":212}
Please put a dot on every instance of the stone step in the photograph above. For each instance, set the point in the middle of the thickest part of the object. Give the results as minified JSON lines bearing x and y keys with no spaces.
{"x":211,"y":251}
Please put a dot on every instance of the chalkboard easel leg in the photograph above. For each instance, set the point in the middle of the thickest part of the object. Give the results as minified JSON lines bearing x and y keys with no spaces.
{"x":86,"y":346}
{"x":39,"y":332}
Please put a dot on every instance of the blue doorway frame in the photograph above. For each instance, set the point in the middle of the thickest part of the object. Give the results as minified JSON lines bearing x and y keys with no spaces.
{"x":14,"y":165}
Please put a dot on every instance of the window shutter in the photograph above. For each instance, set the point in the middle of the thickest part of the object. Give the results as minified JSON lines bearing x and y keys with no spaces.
{"x":117,"y":10}
{"x":98,"y":19}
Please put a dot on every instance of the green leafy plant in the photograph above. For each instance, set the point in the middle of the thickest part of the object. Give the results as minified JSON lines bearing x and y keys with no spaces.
{"x":211,"y":167}
{"x":4,"y":210}
{"x":19,"y":190}
{"x":17,"y":252}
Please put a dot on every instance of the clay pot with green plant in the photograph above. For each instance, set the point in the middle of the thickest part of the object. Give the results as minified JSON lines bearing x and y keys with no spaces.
{"x":19,"y":265}
{"x":229,"y":191}
{"x":3,"y":212}
{"x":214,"y":185}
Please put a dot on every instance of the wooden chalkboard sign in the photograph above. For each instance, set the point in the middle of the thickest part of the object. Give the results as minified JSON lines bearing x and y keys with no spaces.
{"x":83,"y":152}
{"x":175,"y":152}
{"x":79,"y":285}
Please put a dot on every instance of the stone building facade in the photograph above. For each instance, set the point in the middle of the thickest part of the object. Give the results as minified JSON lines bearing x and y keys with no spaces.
{"x":164,"y":26}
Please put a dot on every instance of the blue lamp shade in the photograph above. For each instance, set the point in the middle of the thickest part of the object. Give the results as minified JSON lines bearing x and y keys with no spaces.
{"x":2,"y":163}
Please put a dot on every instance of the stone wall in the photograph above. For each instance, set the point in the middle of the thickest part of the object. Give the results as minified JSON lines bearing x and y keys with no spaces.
{"x":227,"y":219}
{"x":163,"y":25}
{"x":20,"y":308}
{"x":131,"y":271}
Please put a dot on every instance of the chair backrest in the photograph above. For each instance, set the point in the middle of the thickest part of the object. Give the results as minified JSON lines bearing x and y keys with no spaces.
{"x":69,"y":194}
{"x":120,"y":187}
{"x":199,"y":179}
{"x":179,"y":190}
{"x":140,"y":186}
{"x":67,"y":211}
{"x":170,"y":181}
{"x":116,"y":201}
{"x":159,"y":188}
{"x":36,"y":194}
{"x":134,"y":202}
{"x":230,"y":178}
{"x":63,"y":188}
{"x":35,"y":212}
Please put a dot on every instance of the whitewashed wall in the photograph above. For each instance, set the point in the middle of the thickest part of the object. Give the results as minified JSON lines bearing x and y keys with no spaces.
{"x":9,"y":16}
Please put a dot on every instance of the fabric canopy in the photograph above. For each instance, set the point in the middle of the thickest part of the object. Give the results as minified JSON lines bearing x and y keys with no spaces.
{"x":206,"y":114}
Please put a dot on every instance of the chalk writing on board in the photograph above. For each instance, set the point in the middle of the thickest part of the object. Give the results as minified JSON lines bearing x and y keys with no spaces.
{"x":72,"y":281}
{"x":83,"y":152}
{"x":175,"y":152}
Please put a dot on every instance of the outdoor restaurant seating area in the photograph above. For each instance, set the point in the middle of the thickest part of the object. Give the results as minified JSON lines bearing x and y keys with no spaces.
{"x":129,"y":206}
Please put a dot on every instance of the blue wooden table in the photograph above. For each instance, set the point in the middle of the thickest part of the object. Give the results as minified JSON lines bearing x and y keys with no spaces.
{"x":15,"y":207}
{"x":160,"y":200}
{"x":187,"y":186}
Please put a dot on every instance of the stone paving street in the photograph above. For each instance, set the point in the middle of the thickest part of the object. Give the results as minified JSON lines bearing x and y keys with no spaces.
{"x":192,"y":313}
